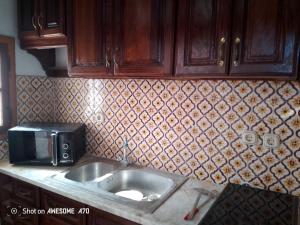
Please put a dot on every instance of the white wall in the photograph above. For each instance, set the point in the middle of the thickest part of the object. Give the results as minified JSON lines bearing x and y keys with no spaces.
{"x":26,"y":64}
{"x":61,"y":56}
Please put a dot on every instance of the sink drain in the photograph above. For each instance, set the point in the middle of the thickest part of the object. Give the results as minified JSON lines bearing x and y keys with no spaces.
{"x":153,"y":197}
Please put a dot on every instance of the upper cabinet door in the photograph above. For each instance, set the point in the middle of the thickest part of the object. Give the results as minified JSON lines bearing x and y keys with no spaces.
{"x":52,"y":18}
{"x":203,"y":31}
{"x":144,"y":37}
{"x":264,"y":40}
{"x":28,"y":10}
{"x":42,"y":23}
{"x":90,"y":38}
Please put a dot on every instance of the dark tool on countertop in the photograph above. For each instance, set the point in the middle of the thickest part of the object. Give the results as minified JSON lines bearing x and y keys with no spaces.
{"x":200,"y":193}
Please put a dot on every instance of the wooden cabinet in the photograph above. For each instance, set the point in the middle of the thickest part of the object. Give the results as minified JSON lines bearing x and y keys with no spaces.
{"x":121,"y":38}
{"x":18,"y":194}
{"x":52,"y":17}
{"x":6,"y":218}
{"x":47,"y":220}
{"x":90,"y":40}
{"x":50,"y":200}
{"x":16,"y":219}
{"x":144,"y":37}
{"x":42,"y":23}
{"x":27,"y":19}
{"x":26,"y":193}
{"x":98,"y":217}
{"x":6,"y":196}
{"x":215,"y":39}
{"x":203,"y":37}
{"x":263,"y":41}
{"x":91,"y":217}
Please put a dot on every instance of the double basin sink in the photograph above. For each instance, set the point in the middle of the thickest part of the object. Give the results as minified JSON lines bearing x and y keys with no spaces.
{"x":140,"y":188}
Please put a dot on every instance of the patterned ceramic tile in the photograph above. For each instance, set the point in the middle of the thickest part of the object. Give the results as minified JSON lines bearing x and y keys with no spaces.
{"x":187,"y":127}
{"x":3,"y":150}
{"x":34,"y":99}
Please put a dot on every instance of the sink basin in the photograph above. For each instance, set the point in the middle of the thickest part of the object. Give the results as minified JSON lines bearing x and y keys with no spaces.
{"x":140,"y":188}
{"x":90,"y":172}
{"x":137,"y":185}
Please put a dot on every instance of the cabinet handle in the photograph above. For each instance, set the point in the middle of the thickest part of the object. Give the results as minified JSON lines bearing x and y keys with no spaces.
{"x":237,"y":42}
{"x":39,"y":23}
{"x":221,"y":51}
{"x":33,"y":24}
{"x":107,"y":63}
{"x":116,"y":65}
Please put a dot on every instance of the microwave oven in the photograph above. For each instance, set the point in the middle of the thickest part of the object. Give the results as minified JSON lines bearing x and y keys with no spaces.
{"x":56,"y":144}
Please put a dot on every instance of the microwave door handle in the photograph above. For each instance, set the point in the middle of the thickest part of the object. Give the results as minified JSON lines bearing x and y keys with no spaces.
{"x":54,"y":148}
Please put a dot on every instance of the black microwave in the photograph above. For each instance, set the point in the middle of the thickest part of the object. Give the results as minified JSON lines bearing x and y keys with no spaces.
{"x":56,"y":144}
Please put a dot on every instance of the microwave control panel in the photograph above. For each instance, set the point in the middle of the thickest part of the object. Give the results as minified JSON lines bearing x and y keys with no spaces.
{"x":65,"y":147}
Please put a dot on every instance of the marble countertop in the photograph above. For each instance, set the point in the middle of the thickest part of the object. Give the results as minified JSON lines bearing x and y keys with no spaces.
{"x":171,"y":212}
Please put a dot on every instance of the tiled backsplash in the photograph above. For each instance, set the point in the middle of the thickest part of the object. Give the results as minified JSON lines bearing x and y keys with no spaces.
{"x":187,"y":127}
{"x":3,"y":149}
{"x":35,"y":99}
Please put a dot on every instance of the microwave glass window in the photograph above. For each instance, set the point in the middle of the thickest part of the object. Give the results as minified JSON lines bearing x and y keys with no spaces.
{"x":34,"y":146}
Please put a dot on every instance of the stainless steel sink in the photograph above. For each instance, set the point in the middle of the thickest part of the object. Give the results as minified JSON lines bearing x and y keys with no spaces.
{"x":138,"y":185}
{"x":89,"y":172}
{"x":140,"y":188}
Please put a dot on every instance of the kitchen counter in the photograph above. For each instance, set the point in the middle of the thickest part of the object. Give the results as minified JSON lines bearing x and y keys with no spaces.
{"x":171,"y":212}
